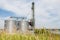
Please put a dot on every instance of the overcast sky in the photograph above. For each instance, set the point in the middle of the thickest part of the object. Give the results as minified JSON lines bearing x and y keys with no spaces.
{"x":47,"y":12}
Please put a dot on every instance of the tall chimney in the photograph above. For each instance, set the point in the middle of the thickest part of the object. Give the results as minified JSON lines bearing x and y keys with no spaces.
{"x":33,"y":19}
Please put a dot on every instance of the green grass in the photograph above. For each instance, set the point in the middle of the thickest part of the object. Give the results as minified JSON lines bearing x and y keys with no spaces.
{"x":39,"y":35}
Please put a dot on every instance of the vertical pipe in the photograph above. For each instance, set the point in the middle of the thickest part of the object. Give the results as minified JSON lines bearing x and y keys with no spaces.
{"x":33,"y":19}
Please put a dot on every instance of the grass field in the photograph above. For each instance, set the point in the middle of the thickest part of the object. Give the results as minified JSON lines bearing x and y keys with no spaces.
{"x":38,"y":35}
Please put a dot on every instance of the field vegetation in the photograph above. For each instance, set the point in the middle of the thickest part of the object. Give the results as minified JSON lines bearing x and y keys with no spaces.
{"x":39,"y":34}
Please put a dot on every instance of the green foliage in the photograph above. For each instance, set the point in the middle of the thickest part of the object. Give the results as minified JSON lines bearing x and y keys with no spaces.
{"x":40,"y":34}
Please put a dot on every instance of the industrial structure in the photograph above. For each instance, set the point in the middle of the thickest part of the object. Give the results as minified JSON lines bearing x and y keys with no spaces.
{"x":20,"y":24}
{"x":13,"y":25}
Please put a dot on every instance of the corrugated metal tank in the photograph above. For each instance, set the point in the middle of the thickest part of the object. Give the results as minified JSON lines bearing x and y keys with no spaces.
{"x":10,"y":26}
{"x":6,"y":24}
{"x":24,"y":26}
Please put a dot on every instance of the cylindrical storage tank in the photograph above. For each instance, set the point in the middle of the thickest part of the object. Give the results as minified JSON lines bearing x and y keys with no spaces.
{"x":10,"y":26}
{"x":24,"y":26}
{"x":6,"y":24}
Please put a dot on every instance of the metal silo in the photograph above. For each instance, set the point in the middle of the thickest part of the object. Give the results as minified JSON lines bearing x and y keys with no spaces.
{"x":24,"y":26}
{"x":6,"y":25}
{"x":10,"y":25}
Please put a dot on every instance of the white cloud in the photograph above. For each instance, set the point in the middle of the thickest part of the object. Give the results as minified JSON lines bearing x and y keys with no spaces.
{"x":19,"y":7}
{"x":48,"y":10}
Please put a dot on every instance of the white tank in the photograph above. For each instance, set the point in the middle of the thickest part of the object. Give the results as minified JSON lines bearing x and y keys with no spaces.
{"x":6,"y":25}
{"x":10,"y":26}
{"x":24,"y":26}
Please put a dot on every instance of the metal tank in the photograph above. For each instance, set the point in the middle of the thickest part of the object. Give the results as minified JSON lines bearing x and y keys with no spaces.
{"x":6,"y":24}
{"x":10,"y":26}
{"x":24,"y":26}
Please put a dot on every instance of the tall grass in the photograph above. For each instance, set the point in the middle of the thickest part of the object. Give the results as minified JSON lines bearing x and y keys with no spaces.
{"x":39,"y":35}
